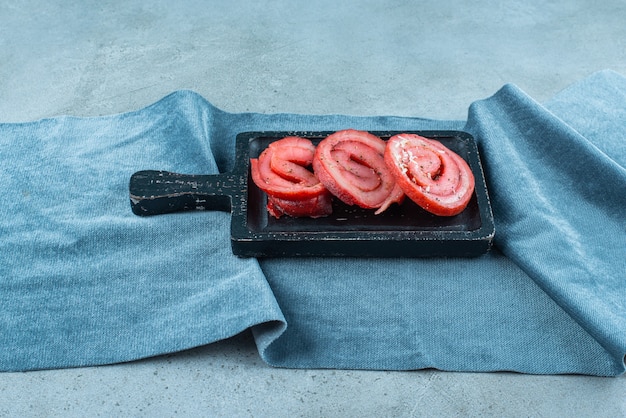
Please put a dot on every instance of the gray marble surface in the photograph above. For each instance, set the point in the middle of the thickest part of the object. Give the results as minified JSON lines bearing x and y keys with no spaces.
{"x":365,"y":58}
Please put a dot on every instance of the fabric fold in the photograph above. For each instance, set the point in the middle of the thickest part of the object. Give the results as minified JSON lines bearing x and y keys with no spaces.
{"x":559,"y":202}
{"x":82,"y":280}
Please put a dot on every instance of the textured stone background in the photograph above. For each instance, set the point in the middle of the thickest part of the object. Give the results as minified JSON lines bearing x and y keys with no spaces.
{"x":406,"y":58}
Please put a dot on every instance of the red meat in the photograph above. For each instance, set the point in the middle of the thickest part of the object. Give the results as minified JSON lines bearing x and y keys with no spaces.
{"x":281,"y":172}
{"x":430,"y":174}
{"x":351,"y":166}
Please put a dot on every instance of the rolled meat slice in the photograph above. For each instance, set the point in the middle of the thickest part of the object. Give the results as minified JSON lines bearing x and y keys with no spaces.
{"x":351,"y":165}
{"x":282,"y":172}
{"x":431,"y":175}
{"x":315,"y":207}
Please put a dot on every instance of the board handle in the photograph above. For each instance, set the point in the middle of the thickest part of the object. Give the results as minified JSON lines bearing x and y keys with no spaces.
{"x":155,"y":192}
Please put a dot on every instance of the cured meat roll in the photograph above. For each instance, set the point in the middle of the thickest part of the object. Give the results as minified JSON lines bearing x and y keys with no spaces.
{"x":282,"y":172}
{"x":351,"y":165}
{"x":431,"y":175}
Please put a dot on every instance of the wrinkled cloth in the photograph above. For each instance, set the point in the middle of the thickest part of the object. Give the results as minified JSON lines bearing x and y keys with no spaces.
{"x":83,"y":281}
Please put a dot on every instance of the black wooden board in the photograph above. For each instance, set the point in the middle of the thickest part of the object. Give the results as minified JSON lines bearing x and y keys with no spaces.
{"x":403,"y":230}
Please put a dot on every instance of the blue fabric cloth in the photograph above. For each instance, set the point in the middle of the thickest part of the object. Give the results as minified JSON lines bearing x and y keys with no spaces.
{"x":83,"y":281}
